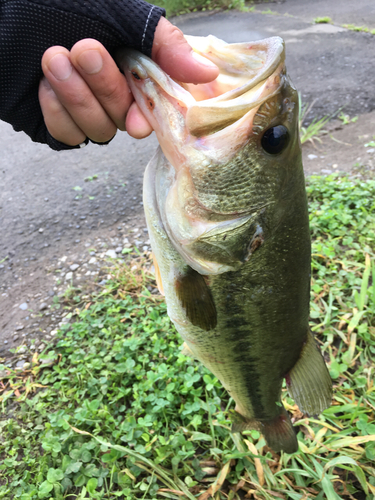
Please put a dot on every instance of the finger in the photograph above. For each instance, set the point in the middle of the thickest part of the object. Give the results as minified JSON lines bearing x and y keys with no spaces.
{"x":136,"y":124}
{"x":58,"y":121}
{"x":76,"y":96}
{"x":102,"y":75}
{"x":175,"y":56}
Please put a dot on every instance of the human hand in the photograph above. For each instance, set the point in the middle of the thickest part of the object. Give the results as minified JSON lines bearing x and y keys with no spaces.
{"x":83,"y":93}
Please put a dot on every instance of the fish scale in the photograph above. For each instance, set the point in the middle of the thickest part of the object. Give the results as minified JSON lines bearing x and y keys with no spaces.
{"x":229,"y":187}
{"x":226,"y":208}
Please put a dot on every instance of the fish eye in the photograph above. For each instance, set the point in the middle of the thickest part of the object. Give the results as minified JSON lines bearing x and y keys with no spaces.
{"x":275,"y":139}
{"x":135,"y":75}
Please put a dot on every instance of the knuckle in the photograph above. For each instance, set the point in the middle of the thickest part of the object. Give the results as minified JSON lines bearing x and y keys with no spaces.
{"x":111,"y":92}
{"x":176,"y":39}
{"x":75,"y":100}
{"x":103,"y":135}
{"x":84,"y":44}
{"x":177,"y":35}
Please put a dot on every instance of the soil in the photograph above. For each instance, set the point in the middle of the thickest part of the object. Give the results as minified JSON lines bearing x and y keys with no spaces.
{"x":60,"y":213}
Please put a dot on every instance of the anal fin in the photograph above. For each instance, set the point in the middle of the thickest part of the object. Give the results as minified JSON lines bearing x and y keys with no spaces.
{"x":278,"y":431}
{"x":309,"y":382}
{"x":196,"y":298}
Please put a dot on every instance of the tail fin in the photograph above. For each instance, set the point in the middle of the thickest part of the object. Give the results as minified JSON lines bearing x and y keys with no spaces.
{"x":278,"y":432}
{"x":309,"y":382}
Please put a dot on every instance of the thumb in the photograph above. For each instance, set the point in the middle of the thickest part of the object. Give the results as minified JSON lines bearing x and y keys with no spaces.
{"x":175,"y":56}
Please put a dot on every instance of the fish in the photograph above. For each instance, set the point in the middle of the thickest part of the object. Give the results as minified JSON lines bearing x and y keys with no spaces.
{"x":226,"y":209}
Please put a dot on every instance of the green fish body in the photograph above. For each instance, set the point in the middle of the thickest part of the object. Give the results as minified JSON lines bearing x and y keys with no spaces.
{"x":226,"y":209}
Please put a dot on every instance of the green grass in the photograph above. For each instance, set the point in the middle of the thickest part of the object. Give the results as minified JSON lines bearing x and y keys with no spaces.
{"x":311,"y":132}
{"x":345,"y":119}
{"x":177,"y":7}
{"x":322,"y":20}
{"x":363,"y":29}
{"x":269,"y":11}
{"x":352,"y":27}
{"x":115,"y":410}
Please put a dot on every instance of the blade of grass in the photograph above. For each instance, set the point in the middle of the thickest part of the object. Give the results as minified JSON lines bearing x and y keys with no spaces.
{"x":140,"y":458}
{"x":257,"y":462}
{"x":326,"y":481}
{"x":356,"y":469}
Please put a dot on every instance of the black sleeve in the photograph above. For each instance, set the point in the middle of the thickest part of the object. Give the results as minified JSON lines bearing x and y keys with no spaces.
{"x":29,"y":27}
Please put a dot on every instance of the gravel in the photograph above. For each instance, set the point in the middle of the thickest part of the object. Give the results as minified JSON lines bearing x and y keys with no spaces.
{"x":111,"y":253}
{"x":44,"y":317}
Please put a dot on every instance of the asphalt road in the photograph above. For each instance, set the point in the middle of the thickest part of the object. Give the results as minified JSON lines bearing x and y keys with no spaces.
{"x":47,"y":209}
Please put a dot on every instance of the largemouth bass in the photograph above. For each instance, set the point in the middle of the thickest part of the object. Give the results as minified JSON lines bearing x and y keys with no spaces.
{"x":226,"y":209}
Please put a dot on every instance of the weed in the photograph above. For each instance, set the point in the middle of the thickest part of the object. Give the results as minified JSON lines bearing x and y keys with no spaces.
{"x":174,"y":7}
{"x":345,"y":119}
{"x":269,"y":11}
{"x":322,"y":20}
{"x":312,"y":131}
{"x":362,"y":29}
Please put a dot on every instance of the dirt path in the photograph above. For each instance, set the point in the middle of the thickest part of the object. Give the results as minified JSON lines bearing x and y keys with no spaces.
{"x":60,"y":213}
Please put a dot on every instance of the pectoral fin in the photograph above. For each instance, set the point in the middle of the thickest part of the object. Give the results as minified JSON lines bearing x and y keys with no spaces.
{"x":158,"y":280}
{"x":196,"y":298}
{"x":186,"y":351}
{"x":309,"y":382}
